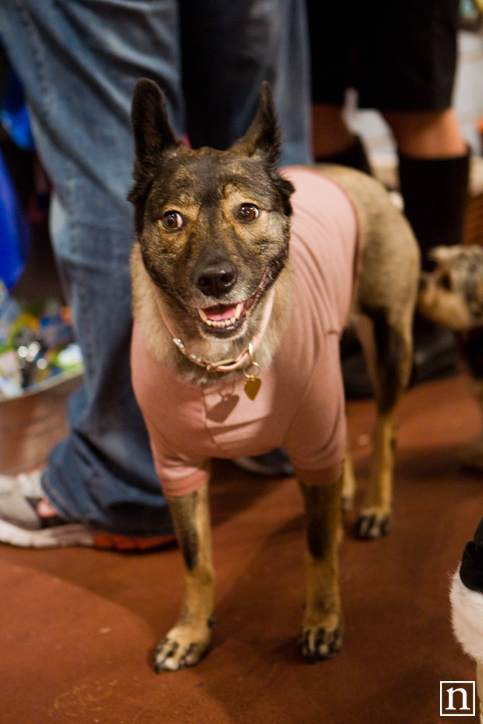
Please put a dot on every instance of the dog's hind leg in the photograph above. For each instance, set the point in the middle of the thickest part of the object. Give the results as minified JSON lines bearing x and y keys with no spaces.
{"x":186,"y":643}
{"x":387,"y":346}
{"x":321,"y":633}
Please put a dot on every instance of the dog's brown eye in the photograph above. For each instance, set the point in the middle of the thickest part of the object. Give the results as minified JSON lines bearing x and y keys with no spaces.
{"x":445,"y":281}
{"x":247,"y":212}
{"x":172,"y":220}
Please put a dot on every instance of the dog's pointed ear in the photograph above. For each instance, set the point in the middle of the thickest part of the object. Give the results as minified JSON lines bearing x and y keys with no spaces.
{"x":263,"y":139}
{"x":152,"y":132}
{"x":263,"y":135}
{"x":153,"y":136}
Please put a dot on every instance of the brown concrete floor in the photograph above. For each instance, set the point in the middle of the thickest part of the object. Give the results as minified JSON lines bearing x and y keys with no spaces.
{"x":78,"y":626}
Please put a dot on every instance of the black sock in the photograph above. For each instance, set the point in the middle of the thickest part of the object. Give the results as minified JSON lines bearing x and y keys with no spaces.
{"x":435,"y":194}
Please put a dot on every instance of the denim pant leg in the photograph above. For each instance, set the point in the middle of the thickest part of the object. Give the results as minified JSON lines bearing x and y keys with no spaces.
{"x":79,"y":62}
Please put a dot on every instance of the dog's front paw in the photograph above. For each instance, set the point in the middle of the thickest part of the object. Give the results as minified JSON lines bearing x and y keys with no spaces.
{"x":373,"y":523}
{"x":321,"y":642}
{"x":183,"y":646}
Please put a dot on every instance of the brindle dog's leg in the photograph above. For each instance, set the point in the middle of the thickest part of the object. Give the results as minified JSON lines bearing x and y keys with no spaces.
{"x":186,"y":643}
{"x":321,"y":634}
{"x":387,"y":346}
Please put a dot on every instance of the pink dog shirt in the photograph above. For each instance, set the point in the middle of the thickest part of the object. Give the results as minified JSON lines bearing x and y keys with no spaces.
{"x":300,"y":404}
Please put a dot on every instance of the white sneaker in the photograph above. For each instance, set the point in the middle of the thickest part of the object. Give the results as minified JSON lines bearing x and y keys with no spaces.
{"x":21,"y":525}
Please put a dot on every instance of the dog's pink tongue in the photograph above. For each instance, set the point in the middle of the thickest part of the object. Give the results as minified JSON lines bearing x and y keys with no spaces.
{"x":218,"y":313}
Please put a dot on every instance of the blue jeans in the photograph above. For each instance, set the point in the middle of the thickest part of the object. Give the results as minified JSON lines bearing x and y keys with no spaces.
{"x":78,"y":61}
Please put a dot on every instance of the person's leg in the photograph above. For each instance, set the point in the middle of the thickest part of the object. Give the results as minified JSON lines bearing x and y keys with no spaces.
{"x":409,"y":73}
{"x":78,"y":63}
{"x":334,"y":31}
{"x":243,"y":44}
{"x":334,"y":142}
{"x":433,"y":173}
{"x":434,"y":163}
{"x":330,"y":134}
{"x":427,"y":134}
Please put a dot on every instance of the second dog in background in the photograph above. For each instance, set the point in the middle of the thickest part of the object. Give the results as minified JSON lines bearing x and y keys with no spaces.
{"x":452,"y":295}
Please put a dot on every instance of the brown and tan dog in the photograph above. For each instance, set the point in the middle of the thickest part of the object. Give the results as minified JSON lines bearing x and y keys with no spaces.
{"x":452,"y":296}
{"x":211,"y":255}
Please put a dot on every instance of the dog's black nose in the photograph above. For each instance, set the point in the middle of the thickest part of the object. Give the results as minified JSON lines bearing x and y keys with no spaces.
{"x":216,"y":279}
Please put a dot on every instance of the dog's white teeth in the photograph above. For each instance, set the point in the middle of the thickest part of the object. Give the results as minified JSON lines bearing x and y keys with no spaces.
{"x":213,"y":322}
{"x":221,"y":323}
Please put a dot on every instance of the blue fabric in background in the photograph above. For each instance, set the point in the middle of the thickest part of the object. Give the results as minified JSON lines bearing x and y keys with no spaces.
{"x":14,"y":116}
{"x":14,"y":227}
{"x":14,"y":230}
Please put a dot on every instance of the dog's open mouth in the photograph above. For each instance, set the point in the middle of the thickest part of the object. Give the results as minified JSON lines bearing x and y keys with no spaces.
{"x":221,"y":316}
{"x":226,"y":317}
{"x":229,"y":318}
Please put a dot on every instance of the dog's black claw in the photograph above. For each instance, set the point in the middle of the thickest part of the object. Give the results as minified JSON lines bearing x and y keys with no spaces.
{"x":173,"y":655}
{"x":163,"y":653}
{"x":320,"y":645}
{"x":373,"y":525}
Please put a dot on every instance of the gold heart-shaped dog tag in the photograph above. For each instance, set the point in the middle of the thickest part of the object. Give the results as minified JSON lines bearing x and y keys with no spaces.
{"x":252,"y":386}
